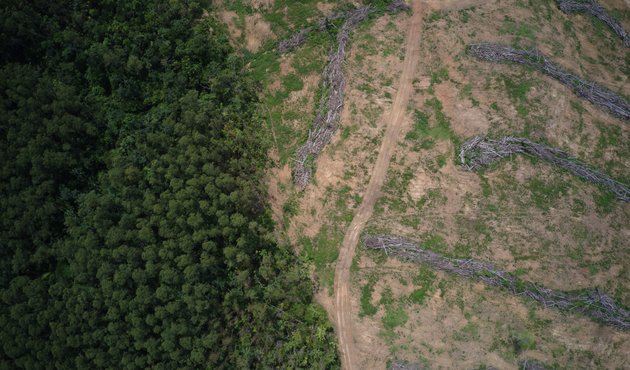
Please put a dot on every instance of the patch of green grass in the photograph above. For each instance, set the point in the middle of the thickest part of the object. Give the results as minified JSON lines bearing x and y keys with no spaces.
{"x":442,"y":129}
{"x":346,"y":131}
{"x":368,"y":43}
{"x":567,"y":25}
{"x":442,"y":121}
{"x":605,"y":201}
{"x":311,"y":58}
{"x":522,"y":341}
{"x":464,"y":14}
{"x":435,"y":243}
{"x":469,"y":332}
{"x":544,"y":194}
{"x":394,"y":316}
{"x":577,"y":106}
{"x":517,"y":29}
{"x":387,"y":297}
{"x":322,"y":251}
{"x":367,"y":88}
{"x":436,"y":16}
{"x":420,"y":126}
{"x":440,"y":160}
{"x":517,"y":91}
{"x":433,"y":196}
{"x":292,"y":82}
{"x":578,"y":207}
{"x":601,"y":29}
{"x":264,"y":65}
{"x":486,"y":189}
{"x":522,"y":110}
{"x":439,"y":76}
{"x":344,"y":201}
{"x":396,"y":186}
{"x":608,"y":137}
{"x":466,"y":91}
{"x":425,"y":280}
{"x":284,"y":134}
{"x":290,"y":208}
{"x":367,"y":308}
{"x":276,"y":21}
{"x":299,"y":12}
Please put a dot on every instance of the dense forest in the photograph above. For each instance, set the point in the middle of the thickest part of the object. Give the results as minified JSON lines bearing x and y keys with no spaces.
{"x":135,"y":231}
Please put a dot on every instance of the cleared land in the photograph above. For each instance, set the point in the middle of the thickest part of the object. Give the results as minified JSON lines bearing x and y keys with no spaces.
{"x":393,"y":123}
{"x":525,"y":216}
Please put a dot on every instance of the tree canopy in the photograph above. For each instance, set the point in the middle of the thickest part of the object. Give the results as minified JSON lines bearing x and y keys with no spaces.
{"x":135,"y":229}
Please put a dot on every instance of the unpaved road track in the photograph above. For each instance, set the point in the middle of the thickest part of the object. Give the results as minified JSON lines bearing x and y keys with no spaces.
{"x":393,"y":121}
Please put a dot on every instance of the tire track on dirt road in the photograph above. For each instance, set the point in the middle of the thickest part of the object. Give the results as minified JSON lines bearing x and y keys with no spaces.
{"x":393,"y":122}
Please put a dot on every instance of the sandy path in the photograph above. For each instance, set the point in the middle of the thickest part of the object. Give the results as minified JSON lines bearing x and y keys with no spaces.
{"x":393,"y":121}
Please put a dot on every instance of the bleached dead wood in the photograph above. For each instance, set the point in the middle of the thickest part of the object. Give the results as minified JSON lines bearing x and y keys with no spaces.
{"x":397,"y":6}
{"x":404,"y":365}
{"x":330,"y":105}
{"x":301,"y":36}
{"x":327,"y":116}
{"x":479,"y":152}
{"x":531,"y":365}
{"x":594,"y":303}
{"x":597,"y":10}
{"x":585,"y":89}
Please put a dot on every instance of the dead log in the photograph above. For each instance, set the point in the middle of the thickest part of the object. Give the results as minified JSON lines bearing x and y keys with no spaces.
{"x":327,"y":117}
{"x":593,"y":302}
{"x":397,"y":6}
{"x":404,"y":365}
{"x":479,"y":152}
{"x":585,"y":89}
{"x":301,"y":36}
{"x":596,"y":10}
{"x":531,"y":365}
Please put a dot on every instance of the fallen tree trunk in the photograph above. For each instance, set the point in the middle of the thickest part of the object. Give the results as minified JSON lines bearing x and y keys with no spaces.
{"x":300,"y":37}
{"x":404,"y":365}
{"x":531,"y":365}
{"x":588,"y":90}
{"x":327,"y":116}
{"x":397,"y":6}
{"x":329,"y":112}
{"x":593,"y":303}
{"x":479,"y":152}
{"x":596,"y":10}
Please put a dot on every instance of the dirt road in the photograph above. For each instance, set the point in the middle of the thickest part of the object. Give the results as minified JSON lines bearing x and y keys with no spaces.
{"x":393,"y":123}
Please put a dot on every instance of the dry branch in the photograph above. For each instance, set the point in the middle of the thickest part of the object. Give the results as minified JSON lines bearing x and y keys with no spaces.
{"x":333,"y":83}
{"x":531,"y":365}
{"x":403,"y":365}
{"x":327,"y":117}
{"x":596,"y":10}
{"x":588,"y":90}
{"x":301,"y":36}
{"x":479,"y":151}
{"x":397,"y":6}
{"x":593,"y":303}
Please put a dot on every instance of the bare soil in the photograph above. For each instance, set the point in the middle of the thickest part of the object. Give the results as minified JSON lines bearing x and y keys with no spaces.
{"x":394,"y":123}
{"x":567,"y":243}
{"x":257,"y":31}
